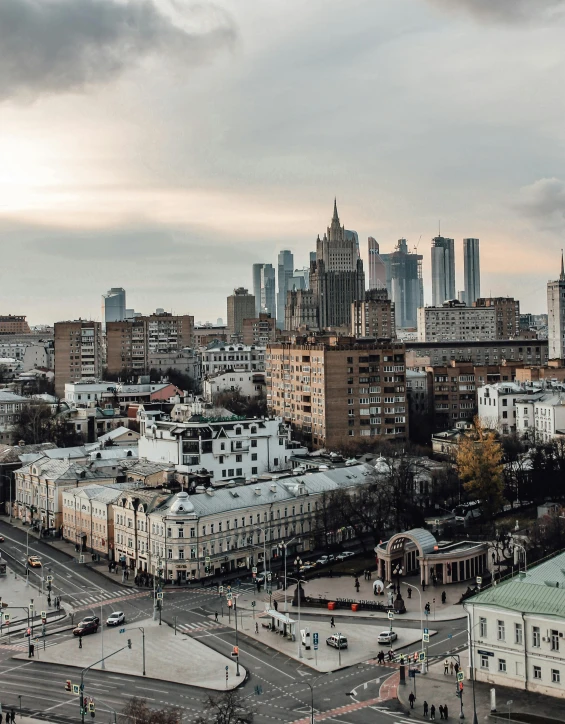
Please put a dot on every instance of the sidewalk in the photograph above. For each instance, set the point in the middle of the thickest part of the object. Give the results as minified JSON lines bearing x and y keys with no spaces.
{"x":436,"y":688}
{"x":167,"y":657}
{"x":343,"y":587}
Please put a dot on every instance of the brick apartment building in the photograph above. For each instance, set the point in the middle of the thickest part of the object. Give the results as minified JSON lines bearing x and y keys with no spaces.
{"x":335,"y":389}
{"x":13,"y":324}
{"x":373,"y":316}
{"x":78,"y":352}
{"x":259,"y":330}
{"x":507,"y":315}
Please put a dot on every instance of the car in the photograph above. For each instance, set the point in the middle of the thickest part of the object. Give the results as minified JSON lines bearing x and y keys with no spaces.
{"x":260,"y":577}
{"x":324,"y":560}
{"x":34,"y":562}
{"x":89,"y":619}
{"x":116,"y":618}
{"x":343,"y":555}
{"x":2,"y":539}
{"x":387,"y":637}
{"x":86,"y":627}
{"x":337,"y":641}
{"x":307,"y":566}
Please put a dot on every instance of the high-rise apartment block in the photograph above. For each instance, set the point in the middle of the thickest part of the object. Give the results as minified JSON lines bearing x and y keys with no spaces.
{"x":301,"y":311}
{"x":404,"y":283}
{"x":443,"y":270}
{"x":374,"y":316}
{"x":78,"y":352}
{"x":471,"y":271}
{"x":377,"y":269}
{"x":454,"y":320}
{"x":507,"y":315}
{"x":14,"y":324}
{"x":114,"y":305}
{"x":285,"y":269}
{"x":556,"y":316}
{"x":335,"y":389}
{"x":126,"y":346}
{"x":259,"y":330}
{"x":337,"y":279}
{"x":241,"y":305}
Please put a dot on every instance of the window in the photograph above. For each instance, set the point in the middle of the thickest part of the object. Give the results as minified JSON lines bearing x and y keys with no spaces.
{"x":500,"y":630}
{"x":181,"y":532}
{"x":554,"y":640}
{"x":275,"y":462}
{"x":536,"y":637}
{"x":221,"y":459}
{"x":239,"y":458}
{"x":518,"y":634}
{"x":484,"y":661}
{"x":483,"y":627}
{"x":254,"y":456}
{"x":253,"y":471}
{"x":555,"y":676}
{"x":502,"y":665}
{"x":253,"y":443}
{"x":170,"y":553}
{"x":222,"y":446}
{"x":181,"y":554}
{"x":537,"y":672}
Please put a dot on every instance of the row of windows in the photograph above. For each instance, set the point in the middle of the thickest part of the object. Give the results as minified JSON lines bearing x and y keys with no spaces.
{"x":503,"y":669}
{"x":519,"y":634}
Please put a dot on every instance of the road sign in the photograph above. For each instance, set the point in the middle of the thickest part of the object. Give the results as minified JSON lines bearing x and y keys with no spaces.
{"x":122,"y":630}
{"x":449,"y":636}
{"x":31,"y":606}
{"x":81,"y":559}
{"x":221,"y":589}
{"x":426,"y":630}
{"x":49,"y":579}
{"x":426,"y":638}
{"x":479,"y":580}
{"x":460,"y":676}
{"x":207,"y":560}
{"x":315,"y":640}
{"x":76,"y":689}
{"x":422,"y":656}
{"x":229,"y":595}
{"x":390,"y":615}
{"x":227,"y":667}
{"x":485,"y":653}
{"x":268,"y":576}
{"x":44,"y":614}
{"x":160,"y":596}
{"x":254,"y":569}
{"x":253,"y":604}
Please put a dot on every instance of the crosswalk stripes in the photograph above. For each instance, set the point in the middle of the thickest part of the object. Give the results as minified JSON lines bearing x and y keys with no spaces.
{"x":190,"y":628}
{"x":105,"y":595}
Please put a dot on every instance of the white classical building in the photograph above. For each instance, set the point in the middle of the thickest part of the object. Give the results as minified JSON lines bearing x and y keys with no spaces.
{"x":540,"y":415}
{"x":223,"y":530}
{"x":517,"y":630}
{"x":249,"y":384}
{"x":221,"y":356}
{"x":227,"y":447}
{"x":497,"y":405}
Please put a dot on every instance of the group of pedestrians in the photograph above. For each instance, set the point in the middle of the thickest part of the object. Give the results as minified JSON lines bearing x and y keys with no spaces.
{"x":443,"y":710}
{"x":10,"y":717}
{"x":368,"y":575}
{"x":450,"y":668}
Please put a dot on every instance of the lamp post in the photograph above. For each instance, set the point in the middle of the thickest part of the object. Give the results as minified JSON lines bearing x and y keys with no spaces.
{"x":311,"y":685}
{"x":298,"y":589}
{"x":284,"y":546}
{"x":398,"y":571}
{"x":236,"y":637}
{"x":521,"y":547}
{"x":410,"y":585}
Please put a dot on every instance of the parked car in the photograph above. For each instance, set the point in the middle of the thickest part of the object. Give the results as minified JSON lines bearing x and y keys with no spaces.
{"x":387,"y":637}
{"x":260,"y":577}
{"x":337,"y":641}
{"x":85,"y":628}
{"x":34,"y":562}
{"x":343,"y":555}
{"x":307,"y":566}
{"x":116,"y":618}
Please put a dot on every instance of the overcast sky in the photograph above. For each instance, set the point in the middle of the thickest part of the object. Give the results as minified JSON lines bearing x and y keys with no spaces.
{"x":165,"y":146}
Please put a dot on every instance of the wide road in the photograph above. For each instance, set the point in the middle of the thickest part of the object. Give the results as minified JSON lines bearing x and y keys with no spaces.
{"x":284,"y":694}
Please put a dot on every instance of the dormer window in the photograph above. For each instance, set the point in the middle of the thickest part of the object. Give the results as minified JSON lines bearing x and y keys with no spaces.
{"x":238,"y":430}
{"x":253,"y":429}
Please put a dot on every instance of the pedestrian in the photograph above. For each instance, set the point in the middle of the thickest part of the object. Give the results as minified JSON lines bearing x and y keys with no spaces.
{"x":456,"y":668}
{"x":443,"y":597}
{"x":411,"y":699}
{"x":216,"y":616}
{"x":13,"y":716}
{"x":432,"y":712}
{"x":58,"y":603}
{"x":402,"y":659}
{"x":32,"y":651}
{"x":49,"y":600}
{"x":276,"y":605}
{"x":409,"y":593}
{"x":425,"y":708}
{"x":423,"y":585}
{"x":332,"y":622}
{"x":80,"y":641}
{"x":451,"y":668}
{"x":370,"y":575}
{"x":2,"y":717}
{"x":256,"y":627}
{"x":440,"y":711}
{"x":445,"y":711}
{"x":357,"y":584}
{"x":445,"y":667}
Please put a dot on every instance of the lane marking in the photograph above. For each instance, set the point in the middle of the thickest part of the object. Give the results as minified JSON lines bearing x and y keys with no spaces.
{"x":27,"y":663}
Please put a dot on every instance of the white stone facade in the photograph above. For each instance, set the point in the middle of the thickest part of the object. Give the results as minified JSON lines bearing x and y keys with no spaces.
{"x":218,"y":357}
{"x":497,"y":406}
{"x":540,"y":416}
{"x":248,"y":384}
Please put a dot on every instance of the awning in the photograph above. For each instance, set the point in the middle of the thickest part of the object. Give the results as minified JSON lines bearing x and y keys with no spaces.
{"x":279,"y":616}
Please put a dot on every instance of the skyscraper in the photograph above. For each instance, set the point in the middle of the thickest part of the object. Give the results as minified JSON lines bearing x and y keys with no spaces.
{"x":377,"y":270}
{"x":443,"y":270}
{"x":241,"y":305}
{"x":404,"y":283}
{"x":556,"y":315}
{"x":114,"y":305}
{"x":337,"y":279}
{"x":285,"y":269}
{"x":471,"y":270}
{"x":264,"y":289}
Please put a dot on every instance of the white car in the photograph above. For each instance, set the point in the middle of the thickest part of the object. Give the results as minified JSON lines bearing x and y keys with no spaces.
{"x":337,"y":641}
{"x":116,"y":618}
{"x":387,"y":637}
{"x":345,"y":554}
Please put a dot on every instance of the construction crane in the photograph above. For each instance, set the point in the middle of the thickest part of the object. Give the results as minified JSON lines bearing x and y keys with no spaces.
{"x":417,"y":245}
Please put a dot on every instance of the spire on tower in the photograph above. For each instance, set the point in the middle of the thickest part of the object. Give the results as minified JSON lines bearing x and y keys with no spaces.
{"x":335,"y":216}
{"x":562,"y":275}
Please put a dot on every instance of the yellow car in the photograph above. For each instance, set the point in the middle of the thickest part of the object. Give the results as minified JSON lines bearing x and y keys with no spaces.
{"x":34,"y":562}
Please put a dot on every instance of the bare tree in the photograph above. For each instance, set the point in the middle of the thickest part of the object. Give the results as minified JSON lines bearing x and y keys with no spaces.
{"x":138,"y":711}
{"x":226,"y":708}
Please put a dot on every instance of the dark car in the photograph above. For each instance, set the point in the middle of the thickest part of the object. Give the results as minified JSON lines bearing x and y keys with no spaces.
{"x":89,"y":619}
{"x":1,"y":539}
{"x":86,"y":627}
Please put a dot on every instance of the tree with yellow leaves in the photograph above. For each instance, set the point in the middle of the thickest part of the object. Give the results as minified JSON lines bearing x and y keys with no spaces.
{"x":479,"y":465}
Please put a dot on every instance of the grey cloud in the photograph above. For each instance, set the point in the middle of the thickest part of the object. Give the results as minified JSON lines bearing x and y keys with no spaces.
{"x":54,"y":46}
{"x":505,"y":11}
{"x":544,"y":199}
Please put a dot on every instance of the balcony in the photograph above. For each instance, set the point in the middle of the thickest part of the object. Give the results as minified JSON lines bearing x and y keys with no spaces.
{"x":239,"y":446}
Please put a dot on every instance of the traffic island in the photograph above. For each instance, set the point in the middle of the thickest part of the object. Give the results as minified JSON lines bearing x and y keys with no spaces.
{"x":179,"y":658}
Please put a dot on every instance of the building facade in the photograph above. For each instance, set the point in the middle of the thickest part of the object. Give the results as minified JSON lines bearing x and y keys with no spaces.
{"x":218,"y":357}
{"x":248,"y":384}
{"x":259,"y":331}
{"x":285,"y":270}
{"x":471,"y":271}
{"x":335,"y":389}
{"x":497,"y":405}
{"x":13,"y":324}
{"x":301,"y":311}
{"x":404,"y":283}
{"x":114,"y":305}
{"x":88,"y":516}
{"x":377,"y":269}
{"x":556,"y":316}
{"x":540,"y":414}
{"x":264,"y":290}
{"x":78,"y":352}
{"x":11,"y":406}
{"x":455,"y":321}
{"x":241,"y":305}
{"x":507,"y":315}
{"x":422,"y":354}
{"x":443,"y":270}
{"x":373,"y":316}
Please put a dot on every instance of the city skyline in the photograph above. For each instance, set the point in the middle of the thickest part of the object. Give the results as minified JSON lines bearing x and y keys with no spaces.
{"x":133,"y":172}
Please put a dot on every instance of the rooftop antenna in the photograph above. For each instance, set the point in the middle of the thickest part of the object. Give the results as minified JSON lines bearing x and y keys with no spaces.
{"x":439,"y":227}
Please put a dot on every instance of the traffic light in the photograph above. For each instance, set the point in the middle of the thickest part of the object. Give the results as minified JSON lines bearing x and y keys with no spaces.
{"x":235,"y":651}
{"x":229,"y":603}
{"x":68,"y":685}
{"x":92,"y":708}
{"x":129,"y":643}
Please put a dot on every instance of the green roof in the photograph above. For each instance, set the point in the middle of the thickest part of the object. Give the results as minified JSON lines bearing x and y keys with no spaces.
{"x":541,"y":590}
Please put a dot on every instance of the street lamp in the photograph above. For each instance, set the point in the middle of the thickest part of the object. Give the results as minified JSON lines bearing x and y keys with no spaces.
{"x":284,"y":546}
{"x":521,"y":547}
{"x":311,"y":685}
{"x":410,"y":585}
{"x":298,"y":589}
{"x":398,"y":571}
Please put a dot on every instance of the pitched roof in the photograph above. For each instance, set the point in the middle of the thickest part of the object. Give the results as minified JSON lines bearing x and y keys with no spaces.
{"x":118,"y":432}
{"x":539,"y":591}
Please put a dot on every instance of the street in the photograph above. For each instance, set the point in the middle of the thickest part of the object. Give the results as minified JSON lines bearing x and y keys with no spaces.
{"x":279,"y":686}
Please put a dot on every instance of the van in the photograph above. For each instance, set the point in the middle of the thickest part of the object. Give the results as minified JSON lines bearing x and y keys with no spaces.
{"x":467,"y":512}
{"x":337,"y":641}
